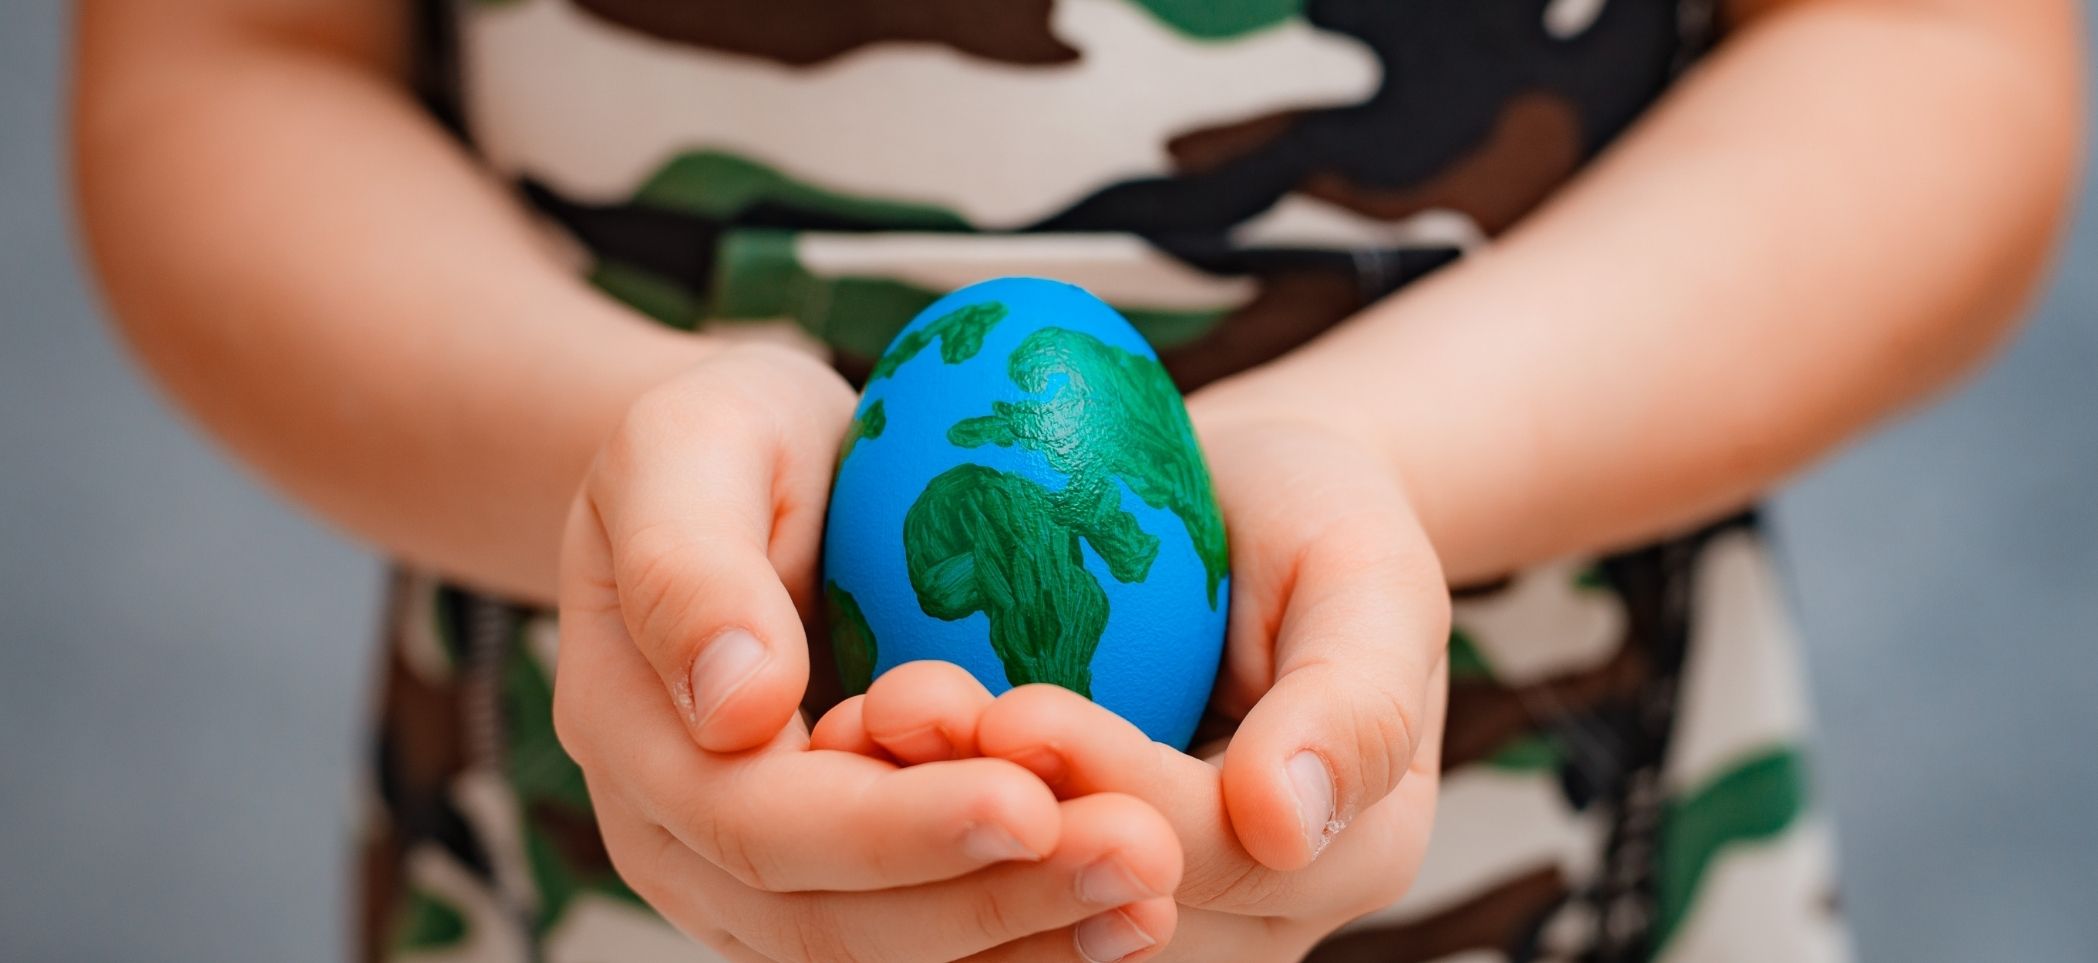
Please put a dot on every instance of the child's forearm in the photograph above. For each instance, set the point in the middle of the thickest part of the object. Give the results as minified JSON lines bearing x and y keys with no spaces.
{"x":323,"y":279}
{"x":1839,"y":212}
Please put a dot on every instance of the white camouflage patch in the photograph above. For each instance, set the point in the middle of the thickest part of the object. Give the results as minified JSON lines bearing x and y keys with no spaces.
{"x":1543,"y":625}
{"x":1741,"y":689}
{"x":1492,"y":826}
{"x":1119,"y":268}
{"x":1763,"y":901}
{"x":594,"y":110}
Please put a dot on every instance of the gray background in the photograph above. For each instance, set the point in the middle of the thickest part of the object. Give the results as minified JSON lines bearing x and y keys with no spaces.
{"x":183,"y":658}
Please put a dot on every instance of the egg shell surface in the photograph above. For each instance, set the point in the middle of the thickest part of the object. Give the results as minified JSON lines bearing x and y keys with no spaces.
{"x":1021,"y":494}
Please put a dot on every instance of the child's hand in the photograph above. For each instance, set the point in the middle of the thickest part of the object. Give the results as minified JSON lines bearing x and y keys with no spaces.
{"x":689,"y":558}
{"x":1339,"y":624}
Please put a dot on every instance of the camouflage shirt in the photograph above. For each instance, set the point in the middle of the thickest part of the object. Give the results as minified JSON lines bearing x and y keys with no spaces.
{"x":1624,"y":774}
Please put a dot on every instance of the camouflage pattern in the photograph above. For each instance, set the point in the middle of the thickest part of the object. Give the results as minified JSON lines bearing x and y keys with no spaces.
{"x":1625,"y":776}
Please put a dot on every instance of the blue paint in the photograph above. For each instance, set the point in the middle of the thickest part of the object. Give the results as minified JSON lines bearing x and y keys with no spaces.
{"x":1157,"y":660}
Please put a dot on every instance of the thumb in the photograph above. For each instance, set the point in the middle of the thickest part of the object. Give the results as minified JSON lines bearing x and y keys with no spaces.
{"x":1363,"y":631}
{"x":675,"y":529}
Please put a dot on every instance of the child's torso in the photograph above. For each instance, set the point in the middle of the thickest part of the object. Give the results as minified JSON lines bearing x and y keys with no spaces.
{"x":1237,"y":175}
{"x":1623,"y":772}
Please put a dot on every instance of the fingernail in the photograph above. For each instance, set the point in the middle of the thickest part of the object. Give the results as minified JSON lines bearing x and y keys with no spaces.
{"x":991,"y":843}
{"x":721,"y":668}
{"x":1314,"y":788}
{"x":1108,"y":883}
{"x":1045,"y":763}
{"x":921,"y":745}
{"x":1111,"y":936}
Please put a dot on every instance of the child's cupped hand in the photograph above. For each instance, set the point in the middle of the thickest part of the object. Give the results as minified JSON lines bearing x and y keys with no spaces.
{"x":1335,"y":673}
{"x":688,"y":568}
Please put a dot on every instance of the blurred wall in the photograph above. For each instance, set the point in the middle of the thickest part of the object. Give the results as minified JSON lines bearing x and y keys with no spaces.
{"x":185,"y":658}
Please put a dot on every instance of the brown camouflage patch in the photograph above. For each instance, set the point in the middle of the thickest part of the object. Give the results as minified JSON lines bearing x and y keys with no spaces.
{"x":421,"y":749}
{"x":804,"y":32}
{"x":1204,"y":150}
{"x":1534,"y":147}
{"x":574,"y":834}
{"x":1490,"y":921}
{"x":1485,"y":715}
{"x":1290,"y":309}
{"x":1483,"y":589}
{"x":380,"y":862}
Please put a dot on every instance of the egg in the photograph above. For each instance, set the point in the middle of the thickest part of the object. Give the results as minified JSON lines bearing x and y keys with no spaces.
{"x":1021,"y":494}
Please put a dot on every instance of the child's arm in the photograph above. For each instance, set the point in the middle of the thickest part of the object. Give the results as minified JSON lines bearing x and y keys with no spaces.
{"x":325,"y":281}
{"x":1841,"y":210}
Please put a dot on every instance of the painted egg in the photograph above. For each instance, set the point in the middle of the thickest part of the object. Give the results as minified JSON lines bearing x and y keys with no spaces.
{"x":1021,"y":494}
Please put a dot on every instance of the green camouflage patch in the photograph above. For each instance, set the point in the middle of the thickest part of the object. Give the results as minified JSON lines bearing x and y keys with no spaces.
{"x":1467,"y":663}
{"x":1753,"y":801}
{"x":1221,"y":19}
{"x":427,"y":923}
{"x":722,"y":186}
{"x":647,"y":292}
{"x":559,"y":883}
{"x":444,"y":622}
{"x":537,"y":766}
{"x":1530,"y":753}
{"x":759,"y":276}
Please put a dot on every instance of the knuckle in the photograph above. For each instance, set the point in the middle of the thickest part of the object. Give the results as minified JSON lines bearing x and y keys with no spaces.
{"x":660,"y":581}
{"x":813,"y":936}
{"x":729,"y":850}
{"x":651,"y":561}
{"x":1229,"y":885}
{"x":995,"y":917}
{"x":1386,"y":736}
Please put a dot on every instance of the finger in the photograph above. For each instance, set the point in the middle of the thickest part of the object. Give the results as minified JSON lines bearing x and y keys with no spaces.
{"x":700,"y":505}
{"x":1206,"y":935}
{"x":843,"y":729}
{"x":1365,"y":624}
{"x":925,"y":711}
{"x":1127,"y":934}
{"x":1115,"y":852}
{"x":832,"y":821}
{"x":785,"y":818}
{"x":1079,"y":748}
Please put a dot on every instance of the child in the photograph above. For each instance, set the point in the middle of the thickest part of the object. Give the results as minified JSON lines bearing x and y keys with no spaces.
{"x":1703,"y":272}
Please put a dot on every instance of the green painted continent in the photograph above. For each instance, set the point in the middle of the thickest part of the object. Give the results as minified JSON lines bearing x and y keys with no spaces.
{"x":1117,"y":415}
{"x":982,"y":540}
{"x":960,"y":333}
{"x":866,"y":426}
{"x":851,"y":640}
